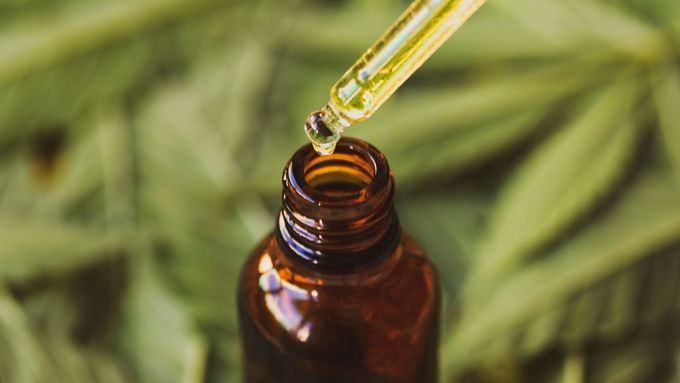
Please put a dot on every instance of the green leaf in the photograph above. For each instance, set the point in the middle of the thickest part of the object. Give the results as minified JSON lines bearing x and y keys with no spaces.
{"x":409,"y":120}
{"x":97,"y":53}
{"x":90,"y":162}
{"x":447,"y":226}
{"x":158,"y":336}
{"x":105,"y":368}
{"x":74,"y":362}
{"x":84,"y":28}
{"x":51,"y":193}
{"x":31,"y":249}
{"x":179,"y":116}
{"x":490,"y":35}
{"x":463,"y":148}
{"x":586,"y":23}
{"x":677,"y":360}
{"x":229,"y":88}
{"x":71,"y":364}
{"x":115,"y":140}
{"x":23,"y":360}
{"x":560,"y":182}
{"x":667,"y":96}
{"x":635,"y":359}
{"x":645,"y":220}
{"x":173,"y":125}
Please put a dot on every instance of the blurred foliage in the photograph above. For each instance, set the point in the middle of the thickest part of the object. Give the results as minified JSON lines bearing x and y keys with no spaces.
{"x":537,"y":156}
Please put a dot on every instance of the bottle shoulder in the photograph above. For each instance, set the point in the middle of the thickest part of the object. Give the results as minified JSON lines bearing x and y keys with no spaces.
{"x":395,"y":301}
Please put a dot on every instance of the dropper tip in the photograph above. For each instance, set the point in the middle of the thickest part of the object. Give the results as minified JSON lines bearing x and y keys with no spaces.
{"x":324,"y":149}
{"x":323,"y":137}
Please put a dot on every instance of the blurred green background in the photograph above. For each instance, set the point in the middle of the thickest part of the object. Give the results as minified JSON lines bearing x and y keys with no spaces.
{"x":537,"y":157}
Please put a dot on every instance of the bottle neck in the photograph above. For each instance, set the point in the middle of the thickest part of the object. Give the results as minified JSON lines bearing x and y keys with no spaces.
{"x":338,"y":209}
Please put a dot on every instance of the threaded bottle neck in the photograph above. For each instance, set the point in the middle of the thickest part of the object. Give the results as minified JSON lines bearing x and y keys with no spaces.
{"x":338,"y":209}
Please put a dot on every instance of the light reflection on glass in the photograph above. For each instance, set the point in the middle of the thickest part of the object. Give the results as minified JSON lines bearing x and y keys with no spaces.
{"x":285,"y":301}
{"x":303,"y":333}
{"x":265,"y":263}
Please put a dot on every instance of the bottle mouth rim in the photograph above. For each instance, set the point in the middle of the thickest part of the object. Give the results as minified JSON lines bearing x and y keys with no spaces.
{"x":337,"y":209}
{"x":356,"y":172}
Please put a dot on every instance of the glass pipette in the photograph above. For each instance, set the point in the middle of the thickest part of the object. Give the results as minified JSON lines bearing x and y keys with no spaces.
{"x":402,"y":49}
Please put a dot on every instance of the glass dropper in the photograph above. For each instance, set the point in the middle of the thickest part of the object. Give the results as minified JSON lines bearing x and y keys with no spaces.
{"x":402,"y":49}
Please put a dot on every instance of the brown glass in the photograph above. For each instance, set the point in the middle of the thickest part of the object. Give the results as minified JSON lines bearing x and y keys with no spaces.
{"x":338,"y":293}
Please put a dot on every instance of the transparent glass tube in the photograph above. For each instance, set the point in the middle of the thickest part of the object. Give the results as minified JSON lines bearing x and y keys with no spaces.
{"x":402,"y":49}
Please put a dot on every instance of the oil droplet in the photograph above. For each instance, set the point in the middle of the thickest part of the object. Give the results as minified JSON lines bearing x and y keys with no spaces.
{"x":323,"y":138}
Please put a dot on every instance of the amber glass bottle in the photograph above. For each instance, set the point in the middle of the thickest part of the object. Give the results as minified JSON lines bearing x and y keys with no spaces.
{"x":338,"y":293}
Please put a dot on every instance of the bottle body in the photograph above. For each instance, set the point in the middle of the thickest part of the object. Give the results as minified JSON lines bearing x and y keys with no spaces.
{"x":383,"y":328}
{"x":343,"y":295}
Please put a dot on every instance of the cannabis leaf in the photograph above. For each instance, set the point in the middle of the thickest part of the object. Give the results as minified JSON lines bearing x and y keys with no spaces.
{"x":560,"y":182}
{"x":581,"y":265}
{"x":141,"y":148}
{"x":667,"y":94}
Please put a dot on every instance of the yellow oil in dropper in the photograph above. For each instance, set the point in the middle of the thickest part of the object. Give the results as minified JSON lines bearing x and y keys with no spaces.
{"x":411,"y":40}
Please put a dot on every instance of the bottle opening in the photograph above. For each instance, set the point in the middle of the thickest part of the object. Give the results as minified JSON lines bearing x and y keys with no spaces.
{"x":337,"y":209}
{"x":338,"y":174}
{"x":355,"y":176}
